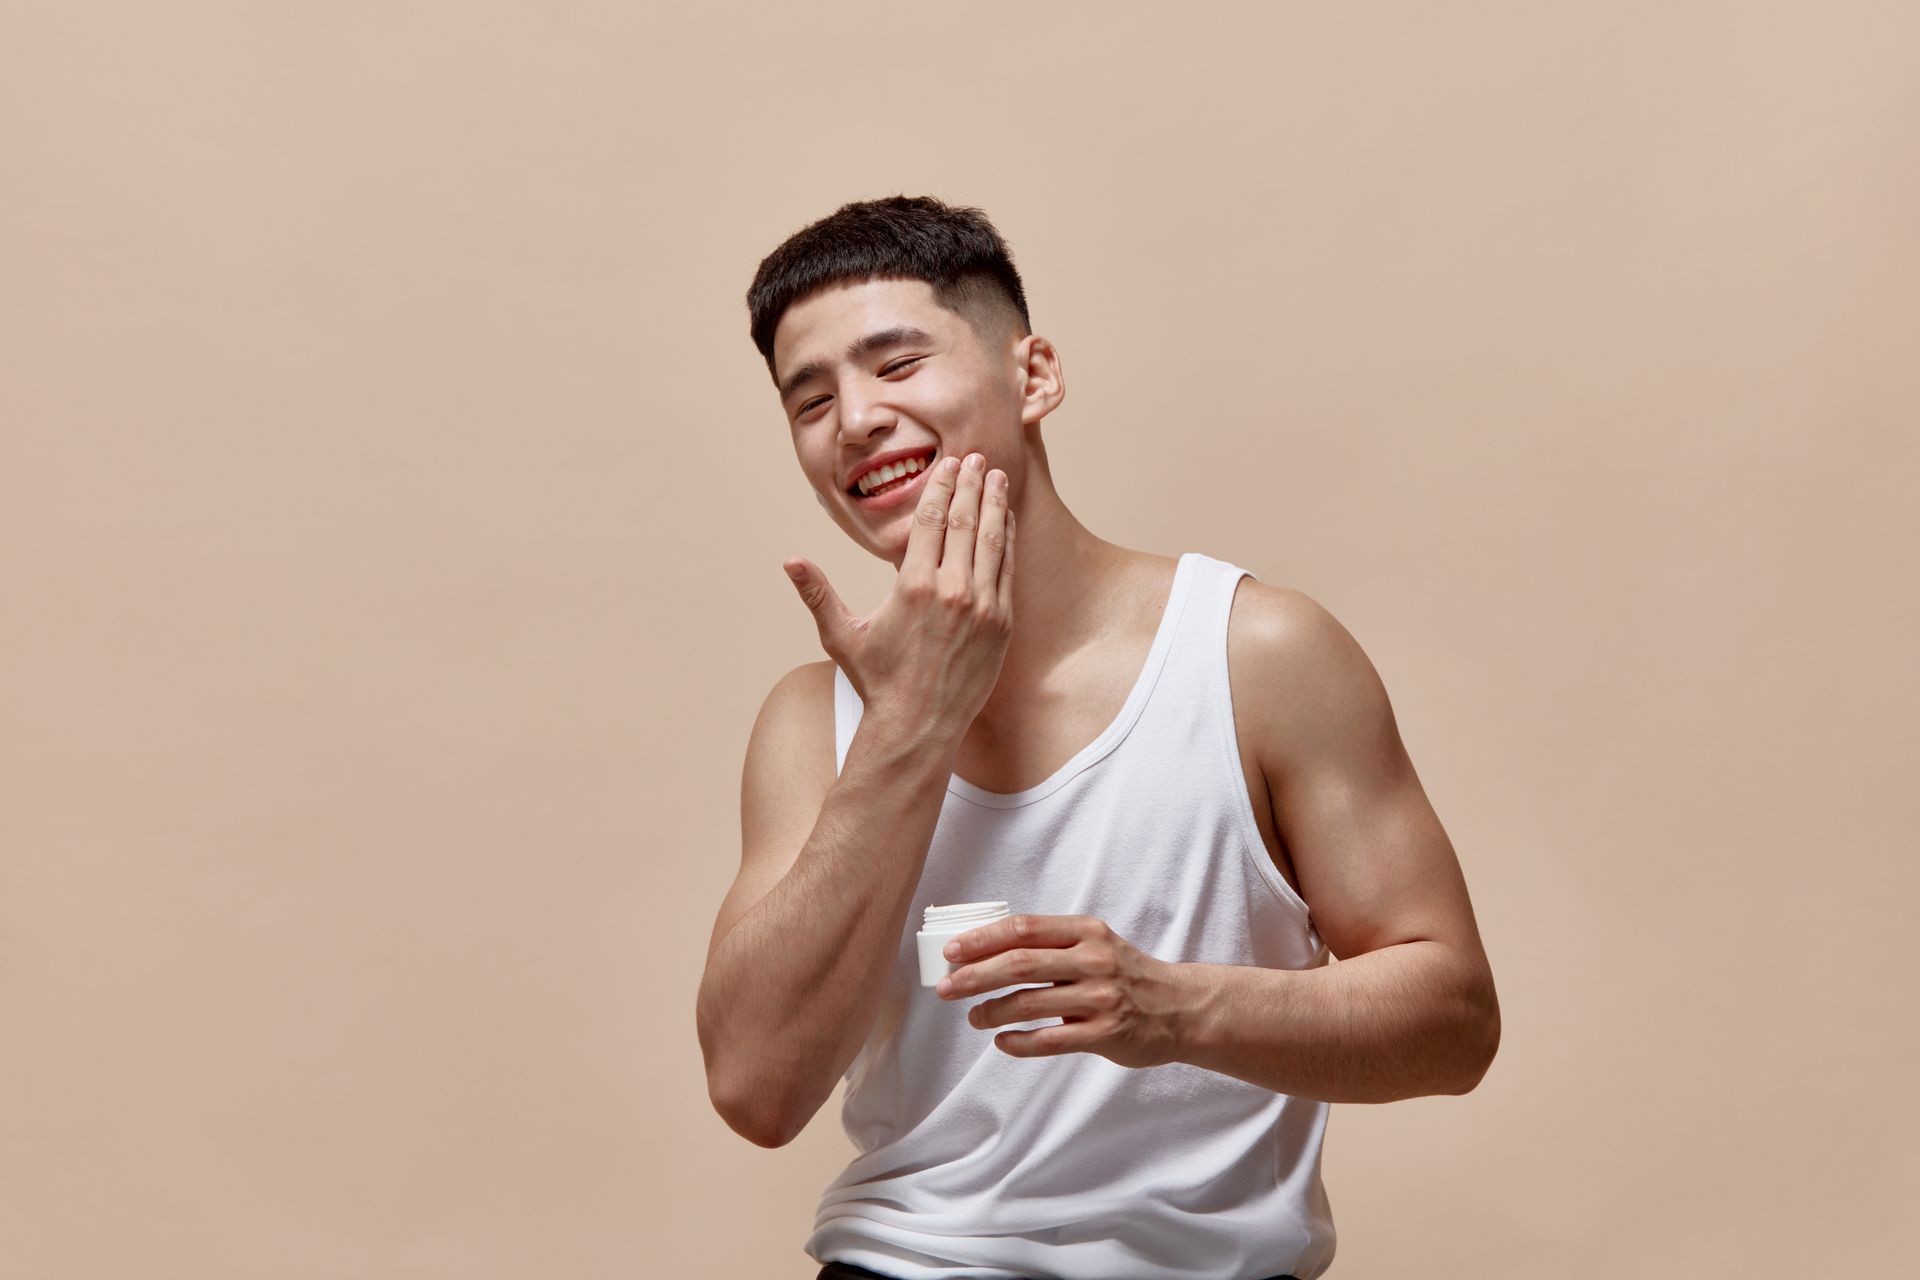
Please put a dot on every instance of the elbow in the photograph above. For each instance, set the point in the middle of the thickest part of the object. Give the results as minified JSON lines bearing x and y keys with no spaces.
{"x":1480,"y":1037}
{"x":766,"y":1109}
{"x":1479,"y":1062}
{"x":768,"y":1132}
{"x":744,"y":1100}
{"x":752,"y":1115}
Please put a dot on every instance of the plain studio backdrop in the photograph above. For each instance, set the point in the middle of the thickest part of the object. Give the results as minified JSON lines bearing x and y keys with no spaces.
{"x":394,"y":508}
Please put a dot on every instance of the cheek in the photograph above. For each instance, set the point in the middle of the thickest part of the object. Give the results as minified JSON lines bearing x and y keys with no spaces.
{"x":816,"y":464}
{"x":947,"y":404}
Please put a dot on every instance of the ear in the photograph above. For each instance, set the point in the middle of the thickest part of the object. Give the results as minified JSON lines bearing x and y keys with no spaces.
{"x":1043,"y":385}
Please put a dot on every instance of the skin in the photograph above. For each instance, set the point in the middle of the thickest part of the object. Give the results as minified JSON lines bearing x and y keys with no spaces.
{"x":968,"y":392}
{"x":1410,"y":1007}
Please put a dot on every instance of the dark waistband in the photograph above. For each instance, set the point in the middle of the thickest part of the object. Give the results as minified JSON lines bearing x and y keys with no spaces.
{"x":848,"y":1271}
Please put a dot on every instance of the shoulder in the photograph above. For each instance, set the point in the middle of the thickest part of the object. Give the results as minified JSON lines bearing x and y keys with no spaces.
{"x":1281,"y":624}
{"x":795,"y":723}
{"x":808,"y":680}
{"x":1265,"y":615}
{"x":1300,"y":679}
{"x":803,"y":696}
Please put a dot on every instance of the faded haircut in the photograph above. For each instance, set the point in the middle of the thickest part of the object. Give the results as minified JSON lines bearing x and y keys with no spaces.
{"x":954,"y":248}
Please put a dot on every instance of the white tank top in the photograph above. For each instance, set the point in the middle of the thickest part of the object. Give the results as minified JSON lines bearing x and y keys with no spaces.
{"x":975,"y":1163}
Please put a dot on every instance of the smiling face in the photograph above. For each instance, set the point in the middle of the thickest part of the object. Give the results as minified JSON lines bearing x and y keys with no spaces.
{"x":873,"y":369}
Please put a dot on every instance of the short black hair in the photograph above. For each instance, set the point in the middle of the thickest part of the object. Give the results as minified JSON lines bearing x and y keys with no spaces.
{"x":954,"y":248}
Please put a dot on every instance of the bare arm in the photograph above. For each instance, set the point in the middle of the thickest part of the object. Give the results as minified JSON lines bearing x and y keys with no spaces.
{"x":1410,"y":1008}
{"x":794,"y":971}
{"x":797,"y":965}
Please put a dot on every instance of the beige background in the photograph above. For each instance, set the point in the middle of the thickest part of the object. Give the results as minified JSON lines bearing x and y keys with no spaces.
{"x":394,"y":507}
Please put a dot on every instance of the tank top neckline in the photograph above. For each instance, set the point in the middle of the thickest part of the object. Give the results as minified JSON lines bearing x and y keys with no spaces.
{"x":1122,"y":723}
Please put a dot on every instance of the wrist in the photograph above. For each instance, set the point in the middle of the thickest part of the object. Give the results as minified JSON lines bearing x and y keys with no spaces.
{"x":905,"y":741}
{"x":1194,"y":1009}
{"x":909,"y":727}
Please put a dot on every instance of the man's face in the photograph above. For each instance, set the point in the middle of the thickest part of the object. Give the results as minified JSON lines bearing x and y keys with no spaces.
{"x":872,"y":369}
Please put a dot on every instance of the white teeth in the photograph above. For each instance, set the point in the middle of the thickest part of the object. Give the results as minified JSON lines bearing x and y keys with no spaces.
{"x":892,"y":471}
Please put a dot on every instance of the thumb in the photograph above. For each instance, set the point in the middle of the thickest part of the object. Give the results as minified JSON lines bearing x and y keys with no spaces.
{"x":829,"y":613}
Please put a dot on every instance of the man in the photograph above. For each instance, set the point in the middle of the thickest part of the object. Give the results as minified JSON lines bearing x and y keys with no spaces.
{"x":1188,"y":784}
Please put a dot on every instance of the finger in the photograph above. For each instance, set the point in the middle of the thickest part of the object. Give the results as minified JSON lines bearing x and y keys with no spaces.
{"x":930,"y":520}
{"x":1006,"y":570}
{"x":992,"y":540}
{"x":963,"y":518}
{"x":1020,"y":931}
{"x":1066,"y":1037}
{"x":1032,"y":1003}
{"x":1010,"y":969}
{"x":829,"y":613}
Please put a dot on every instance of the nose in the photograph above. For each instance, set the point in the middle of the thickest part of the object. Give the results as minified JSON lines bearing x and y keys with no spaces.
{"x":862,"y":414}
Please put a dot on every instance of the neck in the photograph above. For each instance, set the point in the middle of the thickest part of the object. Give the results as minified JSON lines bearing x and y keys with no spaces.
{"x":1062,"y":580}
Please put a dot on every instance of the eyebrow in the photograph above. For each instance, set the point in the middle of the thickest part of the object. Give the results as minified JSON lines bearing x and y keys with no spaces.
{"x":855,"y":349}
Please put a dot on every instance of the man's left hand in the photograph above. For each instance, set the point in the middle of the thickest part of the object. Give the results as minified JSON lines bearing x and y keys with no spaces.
{"x":1117,"y":1001}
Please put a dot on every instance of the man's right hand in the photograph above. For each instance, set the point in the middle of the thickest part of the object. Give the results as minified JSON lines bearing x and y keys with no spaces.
{"x":931,"y":653}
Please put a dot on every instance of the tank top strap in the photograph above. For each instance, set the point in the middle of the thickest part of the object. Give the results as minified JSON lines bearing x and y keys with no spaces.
{"x":846,"y":717}
{"x":1215,"y":585}
{"x":1205,"y":727}
{"x":1195,"y":675}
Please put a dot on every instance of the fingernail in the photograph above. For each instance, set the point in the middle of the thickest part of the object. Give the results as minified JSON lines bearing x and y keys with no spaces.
{"x":943,"y":986}
{"x":794,"y":571}
{"x":953,"y":951}
{"x":952,"y":465}
{"x":976,"y":461}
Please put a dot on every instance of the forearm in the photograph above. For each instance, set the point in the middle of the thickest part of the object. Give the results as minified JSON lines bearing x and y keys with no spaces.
{"x":1401,"y":1022}
{"x":794,"y":987}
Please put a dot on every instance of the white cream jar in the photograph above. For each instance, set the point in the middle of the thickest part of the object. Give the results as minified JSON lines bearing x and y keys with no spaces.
{"x":942,"y":925}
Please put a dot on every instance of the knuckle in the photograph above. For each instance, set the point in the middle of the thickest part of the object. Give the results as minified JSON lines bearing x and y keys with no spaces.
{"x":1102,"y":961}
{"x":954,"y":596}
{"x":1021,"y":964}
{"x":1105,"y":997}
{"x":994,"y":539}
{"x":916,"y":587}
{"x":961,"y":520}
{"x":932,"y":515}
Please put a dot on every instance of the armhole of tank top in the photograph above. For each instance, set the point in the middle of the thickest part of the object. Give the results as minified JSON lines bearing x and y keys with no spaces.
{"x":846,"y":717}
{"x":1235,"y":774}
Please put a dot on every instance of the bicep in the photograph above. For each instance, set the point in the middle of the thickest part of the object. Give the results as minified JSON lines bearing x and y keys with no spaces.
{"x":1374,"y":863}
{"x":789,"y":769}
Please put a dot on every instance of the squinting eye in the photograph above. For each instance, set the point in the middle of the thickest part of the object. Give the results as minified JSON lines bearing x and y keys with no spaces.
{"x":895,"y":367}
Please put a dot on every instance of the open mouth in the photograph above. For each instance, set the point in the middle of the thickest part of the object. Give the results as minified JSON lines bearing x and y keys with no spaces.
{"x":895,"y":478}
